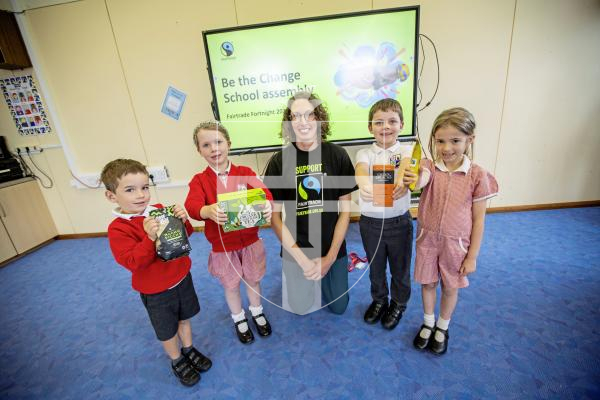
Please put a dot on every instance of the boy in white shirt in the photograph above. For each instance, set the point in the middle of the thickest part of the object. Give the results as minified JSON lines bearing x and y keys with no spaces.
{"x":386,"y":232}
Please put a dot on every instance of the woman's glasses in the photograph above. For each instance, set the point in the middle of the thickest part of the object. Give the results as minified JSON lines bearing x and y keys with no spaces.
{"x":308,"y":116}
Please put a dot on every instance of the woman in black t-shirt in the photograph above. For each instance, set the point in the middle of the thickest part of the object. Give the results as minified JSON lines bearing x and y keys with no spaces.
{"x":312,"y":179}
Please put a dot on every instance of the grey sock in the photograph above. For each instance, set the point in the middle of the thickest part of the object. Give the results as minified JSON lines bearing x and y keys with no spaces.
{"x":174,"y":362}
{"x":186,"y":350}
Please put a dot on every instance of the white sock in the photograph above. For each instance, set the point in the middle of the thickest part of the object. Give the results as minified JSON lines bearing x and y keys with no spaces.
{"x":237,"y":318}
{"x":428,"y":320}
{"x":442,"y":324}
{"x":257,"y":311}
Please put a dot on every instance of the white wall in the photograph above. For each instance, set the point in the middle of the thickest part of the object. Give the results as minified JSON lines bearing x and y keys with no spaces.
{"x":527,"y":69}
{"x":550,"y":131}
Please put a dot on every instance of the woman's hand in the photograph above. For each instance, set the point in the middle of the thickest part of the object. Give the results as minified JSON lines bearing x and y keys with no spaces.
{"x":324,"y":263}
{"x":312,"y":270}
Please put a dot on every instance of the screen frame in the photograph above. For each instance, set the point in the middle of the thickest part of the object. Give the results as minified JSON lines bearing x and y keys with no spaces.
{"x":342,"y":142}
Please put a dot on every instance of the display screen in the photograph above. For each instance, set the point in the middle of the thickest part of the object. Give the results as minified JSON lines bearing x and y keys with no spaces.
{"x":350,"y":61}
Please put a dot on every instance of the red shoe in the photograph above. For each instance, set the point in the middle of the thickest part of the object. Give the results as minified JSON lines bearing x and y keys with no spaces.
{"x":357,"y":262}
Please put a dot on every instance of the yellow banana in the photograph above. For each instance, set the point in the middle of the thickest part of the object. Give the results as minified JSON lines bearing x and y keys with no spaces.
{"x":414,"y":162}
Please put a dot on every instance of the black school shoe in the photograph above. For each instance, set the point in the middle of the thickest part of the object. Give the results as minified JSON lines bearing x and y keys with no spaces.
{"x":421,"y":343}
{"x":392,"y":316}
{"x":263,"y":330}
{"x":245,"y":337}
{"x":199,"y":361}
{"x":375,"y":312}
{"x":438,"y":348}
{"x":186,"y":373}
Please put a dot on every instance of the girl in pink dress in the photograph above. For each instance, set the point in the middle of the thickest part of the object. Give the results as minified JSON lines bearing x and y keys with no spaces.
{"x":450,"y":223}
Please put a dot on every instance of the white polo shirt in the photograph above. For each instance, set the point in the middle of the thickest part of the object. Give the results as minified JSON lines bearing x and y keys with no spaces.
{"x":376,"y":155}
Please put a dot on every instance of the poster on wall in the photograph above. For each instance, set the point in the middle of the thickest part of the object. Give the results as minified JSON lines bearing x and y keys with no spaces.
{"x":25,"y":105}
{"x":173,"y":103}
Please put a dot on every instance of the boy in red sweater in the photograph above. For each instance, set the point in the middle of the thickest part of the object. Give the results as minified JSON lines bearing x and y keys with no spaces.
{"x":236,"y":255}
{"x":165,"y":287}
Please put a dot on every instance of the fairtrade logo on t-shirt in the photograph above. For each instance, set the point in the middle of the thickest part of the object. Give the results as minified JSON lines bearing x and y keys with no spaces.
{"x":310,"y":191}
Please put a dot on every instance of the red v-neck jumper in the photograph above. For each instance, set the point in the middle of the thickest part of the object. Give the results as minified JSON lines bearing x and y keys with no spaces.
{"x":203,"y":191}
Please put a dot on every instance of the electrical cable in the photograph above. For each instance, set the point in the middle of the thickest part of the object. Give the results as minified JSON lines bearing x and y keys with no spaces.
{"x":29,"y":172}
{"x":83,"y":183}
{"x":151,"y":179}
{"x":23,"y":164}
{"x":437,"y":85}
{"x":51,"y":184}
{"x":420,"y":73}
{"x":437,"y":61}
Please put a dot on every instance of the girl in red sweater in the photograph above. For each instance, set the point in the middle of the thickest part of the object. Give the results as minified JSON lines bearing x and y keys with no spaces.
{"x":236,"y":255}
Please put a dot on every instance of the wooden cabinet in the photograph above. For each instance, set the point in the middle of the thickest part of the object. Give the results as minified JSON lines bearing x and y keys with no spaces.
{"x":13,"y":54}
{"x":24,"y":215}
{"x":7,"y":250}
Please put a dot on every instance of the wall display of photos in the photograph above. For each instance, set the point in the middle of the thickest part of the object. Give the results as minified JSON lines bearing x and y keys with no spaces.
{"x":25,"y":105}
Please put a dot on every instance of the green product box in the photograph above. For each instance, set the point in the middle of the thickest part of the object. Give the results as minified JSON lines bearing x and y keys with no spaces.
{"x":243,"y":208}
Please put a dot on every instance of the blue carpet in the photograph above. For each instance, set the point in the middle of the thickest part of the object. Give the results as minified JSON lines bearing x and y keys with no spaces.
{"x":527,"y":327}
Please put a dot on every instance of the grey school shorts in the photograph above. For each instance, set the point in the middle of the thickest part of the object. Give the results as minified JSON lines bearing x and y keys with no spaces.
{"x":167,"y":308}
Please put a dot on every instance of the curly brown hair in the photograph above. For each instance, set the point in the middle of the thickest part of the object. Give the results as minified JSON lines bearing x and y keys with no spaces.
{"x":320,"y":111}
{"x":116,"y":169}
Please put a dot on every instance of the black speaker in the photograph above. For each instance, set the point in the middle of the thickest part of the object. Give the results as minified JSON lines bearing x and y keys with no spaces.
{"x":10,"y":167}
{"x":4,"y":153}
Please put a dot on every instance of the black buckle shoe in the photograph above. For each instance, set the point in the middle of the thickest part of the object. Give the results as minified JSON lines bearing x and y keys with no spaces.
{"x":186,"y":373}
{"x":245,"y":337}
{"x":199,"y":361}
{"x":263,"y":330}
{"x":392,"y":316}
{"x":375,"y":311}
{"x":420,"y":342}
{"x":436,"y":347}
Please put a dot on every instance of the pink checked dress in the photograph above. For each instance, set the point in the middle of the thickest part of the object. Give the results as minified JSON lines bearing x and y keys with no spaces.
{"x":445,"y":220}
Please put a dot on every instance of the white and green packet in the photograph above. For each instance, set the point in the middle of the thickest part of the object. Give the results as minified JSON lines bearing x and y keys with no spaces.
{"x":244,"y":208}
{"x":172,"y":239}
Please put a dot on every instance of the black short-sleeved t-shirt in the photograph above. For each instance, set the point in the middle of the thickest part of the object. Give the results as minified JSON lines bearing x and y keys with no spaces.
{"x":309,"y":185}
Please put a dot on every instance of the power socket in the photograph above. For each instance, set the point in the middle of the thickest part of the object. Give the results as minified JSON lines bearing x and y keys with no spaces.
{"x":32,"y":150}
{"x":160,"y":174}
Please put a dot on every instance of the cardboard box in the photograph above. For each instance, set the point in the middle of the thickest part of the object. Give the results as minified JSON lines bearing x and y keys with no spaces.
{"x":243,"y":208}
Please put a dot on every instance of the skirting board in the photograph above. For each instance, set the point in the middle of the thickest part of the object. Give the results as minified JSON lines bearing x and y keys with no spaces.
{"x":413,"y":213}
